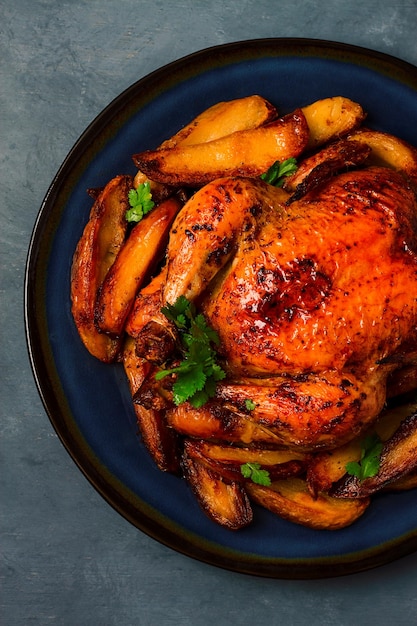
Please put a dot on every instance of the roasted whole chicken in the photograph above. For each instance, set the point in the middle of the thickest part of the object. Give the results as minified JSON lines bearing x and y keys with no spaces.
{"x":310,"y":288}
{"x":313,"y":301}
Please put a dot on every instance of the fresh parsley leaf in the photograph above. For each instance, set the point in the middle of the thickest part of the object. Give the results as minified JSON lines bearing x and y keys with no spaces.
{"x":140,"y":201}
{"x":198,"y":372}
{"x":179,"y":312}
{"x":250,"y":405}
{"x":277,"y":173}
{"x":257,"y":475}
{"x":217,"y":373}
{"x":368,"y":465}
{"x":190,"y":380}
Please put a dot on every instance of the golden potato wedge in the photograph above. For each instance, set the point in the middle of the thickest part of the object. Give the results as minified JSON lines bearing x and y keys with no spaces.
{"x":291,"y":500}
{"x":227,"y":460}
{"x":245,"y":454}
{"x":224,"y":118}
{"x":137,"y":256}
{"x":389,"y":151}
{"x":217,"y":121}
{"x":243,"y":153}
{"x":225,"y":502}
{"x":96,"y":251}
{"x":331,"y":118}
{"x":406,"y":482}
{"x":328,"y":467}
{"x":398,"y":458}
{"x":319,"y":167}
{"x":159,"y":191}
{"x":391,"y":419}
{"x":161,"y":442}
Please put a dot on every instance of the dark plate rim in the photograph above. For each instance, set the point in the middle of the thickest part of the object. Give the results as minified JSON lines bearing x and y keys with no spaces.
{"x":126,"y":503}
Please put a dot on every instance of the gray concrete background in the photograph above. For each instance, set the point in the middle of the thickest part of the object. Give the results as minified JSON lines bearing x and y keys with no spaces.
{"x":67,"y":557}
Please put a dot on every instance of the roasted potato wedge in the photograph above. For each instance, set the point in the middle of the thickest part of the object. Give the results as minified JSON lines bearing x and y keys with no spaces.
{"x":391,"y":419}
{"x":96,"y":252}
{"x":406,"y":482}
{"x":225,"y":502}
{"x":224,"y":118}
{"x":316,"y":169}
{"x":243,"y":153}
{"x":159,"y":191}
{"x":398,"y":458}
{"x":161,"y":442}
{"x":331,"y":118}
{"x":291,"y":500}
{"x":244,"y":454}
{"x":227,"y":459}
{"x":389,"y":151}
{"x":328,"y":467}
{"x":217,"y":121}
{"x":137,"y":256}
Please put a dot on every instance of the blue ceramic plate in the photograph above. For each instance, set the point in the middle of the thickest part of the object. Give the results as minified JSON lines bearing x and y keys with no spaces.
{"x":88,"y":402}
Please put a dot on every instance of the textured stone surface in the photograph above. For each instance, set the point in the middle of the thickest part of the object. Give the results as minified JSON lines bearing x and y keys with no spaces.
{"x":67,"y":557}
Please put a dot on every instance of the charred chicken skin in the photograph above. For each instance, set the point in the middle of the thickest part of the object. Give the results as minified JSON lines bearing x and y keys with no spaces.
{"x":314,"y":300}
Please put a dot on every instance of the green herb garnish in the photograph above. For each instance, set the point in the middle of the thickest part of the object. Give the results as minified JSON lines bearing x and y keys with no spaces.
{"x":368,"y":465}
{"x":256,"y":474}
{"x":250,"y":405}
{"x":140,"y":201}
{"x":277,"y":173}
{"x":198,"y":372}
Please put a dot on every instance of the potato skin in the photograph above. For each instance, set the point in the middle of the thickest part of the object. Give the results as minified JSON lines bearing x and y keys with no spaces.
{"x":319,"y":167}
{"x":291,"y":500}
{"x":219,"y":120}
{"x":224,"y":118}
{"x":135,"y":259}
{"x":243,"y":153}
{"x":329,"y":467}
{"x":161,"y":442}
{"x":389,"y":151}
{"x":398,"y":459}
{"x":331,"y":118}
{"x":102,"y":238}
{"x":224,"y":501}
{"x":226,"y":460}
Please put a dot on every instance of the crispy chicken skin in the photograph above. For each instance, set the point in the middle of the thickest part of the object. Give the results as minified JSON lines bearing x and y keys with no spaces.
{"x":311,"y":299}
